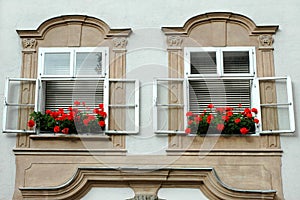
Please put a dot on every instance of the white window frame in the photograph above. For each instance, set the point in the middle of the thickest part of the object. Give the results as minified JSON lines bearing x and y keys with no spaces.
{"x":73,"y":51}
{"x":156,"y":106}
{"x":7,"y":104}
{"x":136,"y":107}
{"x":289,"y":103}
{"x":220,"y":72}
{"x":219,"y":61}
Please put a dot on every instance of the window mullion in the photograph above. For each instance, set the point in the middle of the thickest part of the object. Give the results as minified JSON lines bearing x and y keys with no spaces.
{"x":220,"y":65}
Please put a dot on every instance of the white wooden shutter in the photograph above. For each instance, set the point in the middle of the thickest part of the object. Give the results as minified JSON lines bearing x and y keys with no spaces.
{"x":284,"y":104}
{"x":12,"y":107}
{"x":128,"y":104}
{"x":162,"y":104}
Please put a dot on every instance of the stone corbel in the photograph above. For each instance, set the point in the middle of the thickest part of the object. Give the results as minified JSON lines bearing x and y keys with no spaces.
{"x":29,"y":44}
{"x":265,"y":42}
{"x":119,"y":44}
{"x":174,"y":42}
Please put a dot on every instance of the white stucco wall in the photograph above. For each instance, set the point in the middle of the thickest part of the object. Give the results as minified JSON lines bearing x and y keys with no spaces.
{"x":145,"y":18}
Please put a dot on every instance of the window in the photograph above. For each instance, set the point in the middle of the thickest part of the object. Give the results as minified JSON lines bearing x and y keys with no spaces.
{"x":219,"y":76}
{"x":222,"y":76}
{"x":66,"y":75}
{"x":72,"y":74}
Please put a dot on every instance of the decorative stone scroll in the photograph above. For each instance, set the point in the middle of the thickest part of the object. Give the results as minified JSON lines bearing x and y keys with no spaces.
{"x":145,"y":197}
{"x":29,"y":44}
{"x":174,"y":42}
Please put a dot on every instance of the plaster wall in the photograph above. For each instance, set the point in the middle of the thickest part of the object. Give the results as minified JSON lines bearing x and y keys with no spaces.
{"x":146,"y":18}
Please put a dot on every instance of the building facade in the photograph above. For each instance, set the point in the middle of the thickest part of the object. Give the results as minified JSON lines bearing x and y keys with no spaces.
{"x":155,"y":61}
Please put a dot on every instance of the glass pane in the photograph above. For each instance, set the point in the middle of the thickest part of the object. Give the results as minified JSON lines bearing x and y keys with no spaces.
{"x":17,"y":117}
{"x":122,"y":93}
{"x":14,"y":91}
{"x":236,"y":62}
{"x":162,"y":118}
{"x":122,"y":118}
{"x":203,"y":63}
{"x":169,"y":92}
{"x":88,"y":63}
{"x":283,"y":121}
{"x":57,"y":63}
{"x":130,"y":93}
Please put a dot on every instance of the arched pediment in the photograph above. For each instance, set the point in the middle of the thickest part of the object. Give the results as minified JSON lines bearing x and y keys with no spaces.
{"x":225,"y":17}
{"x":49,"y":24}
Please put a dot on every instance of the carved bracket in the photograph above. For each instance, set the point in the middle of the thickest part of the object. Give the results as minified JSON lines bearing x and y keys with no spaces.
{"x":119,"y":43}
{"x":265,"y":41}
{"x":174,"y":42}
{"x":29,"y":44}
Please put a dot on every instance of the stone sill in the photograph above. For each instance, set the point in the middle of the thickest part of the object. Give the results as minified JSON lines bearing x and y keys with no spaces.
{"x":72,"y":137}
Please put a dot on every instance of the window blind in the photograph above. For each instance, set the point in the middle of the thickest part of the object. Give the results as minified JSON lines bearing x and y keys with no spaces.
{"x":62,"y":94}
{"x":220,"y":92}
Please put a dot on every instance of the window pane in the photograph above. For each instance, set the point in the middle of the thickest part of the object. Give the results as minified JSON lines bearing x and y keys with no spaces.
{"x":88,"y":63}
{"x":236,"y":62}
{"x":57,"y":64}
{"x":62,"y":94}
{"x":221,"y":93}
{"x":203,"y":63}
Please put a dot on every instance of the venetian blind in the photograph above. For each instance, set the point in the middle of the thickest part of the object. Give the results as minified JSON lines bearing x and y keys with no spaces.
{"x":220,"y":92}
{"x":62,"y":94}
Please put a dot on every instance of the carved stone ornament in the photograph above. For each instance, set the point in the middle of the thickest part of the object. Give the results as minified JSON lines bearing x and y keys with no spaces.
{"x":29,"y":43}
{"x":120,"y":43}
{"x":174,"y":41}
{"x":266,"y":40}
{"x":145,"y":197}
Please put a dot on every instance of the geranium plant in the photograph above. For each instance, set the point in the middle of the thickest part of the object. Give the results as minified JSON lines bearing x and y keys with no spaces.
{"x":223,"y":120}
{"x":73,"y":120}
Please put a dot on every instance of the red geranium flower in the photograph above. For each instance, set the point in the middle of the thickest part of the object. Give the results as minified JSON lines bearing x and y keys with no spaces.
{"x":249,"y":115}
{"x":101,"y":123}
{"x":244,"y":130}
{"x":30,"y":123}
{"x":247,"y":110}
{"x":220,"y":127}
{"x":86,"y":122}
{"x":48,"y":112}
{"x":256,"y":121}
{"x":211,"y":106}
{"x":189,"y":114}
{"x":190,"y":122}
{"x":101,"y":105}
{"x":83,"y":103}
{"x":65,"y":130}
{"x":188,"y":130}
{"x":56,"y":129}
{"x":229,"y":114}
{"x":76,"y":103}
{"x":238,"y":120}
{"x":96,"y":111}
{"x":254,"y":110}
{"x":225,"y":118}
